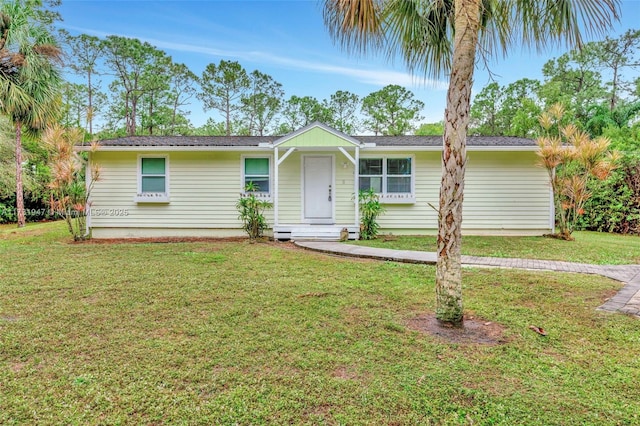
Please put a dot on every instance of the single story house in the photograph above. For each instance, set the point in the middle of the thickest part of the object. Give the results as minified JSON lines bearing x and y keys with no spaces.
{"x":175,"y":186}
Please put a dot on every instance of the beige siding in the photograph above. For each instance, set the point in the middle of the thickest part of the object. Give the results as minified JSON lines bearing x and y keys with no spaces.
{"x":504,"y":192}
{"x":204,"y":188}
{"x":290,"y":190}
{"x":344,"y":178}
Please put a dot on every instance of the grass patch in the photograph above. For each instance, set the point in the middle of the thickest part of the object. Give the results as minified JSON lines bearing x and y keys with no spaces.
{"x":238,"y":333}
{"x":589,"y":247}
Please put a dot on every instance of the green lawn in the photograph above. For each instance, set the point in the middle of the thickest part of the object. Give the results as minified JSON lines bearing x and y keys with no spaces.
{"x":588,"y":247}
{"x":238,"y":333}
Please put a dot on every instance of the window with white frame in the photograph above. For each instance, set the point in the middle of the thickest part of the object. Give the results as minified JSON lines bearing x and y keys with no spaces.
{"x":390,"y":177}
{"x":371,"y":174}
{"x":257,"y":173}
{"x":398,"y":175}
{"x":153,"y":182}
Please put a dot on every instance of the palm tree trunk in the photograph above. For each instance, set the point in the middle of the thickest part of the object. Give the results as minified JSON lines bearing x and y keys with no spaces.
{"x":454,"y":156}
{"x":19,"y":191}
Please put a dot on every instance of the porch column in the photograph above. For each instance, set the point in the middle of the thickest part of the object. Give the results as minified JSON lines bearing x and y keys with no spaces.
{"x":276,"y":174}
{"x":356,"y":186}
{"x":276,"y":179}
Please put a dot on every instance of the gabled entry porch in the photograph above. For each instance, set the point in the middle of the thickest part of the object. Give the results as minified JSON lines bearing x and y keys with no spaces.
{"x":315,"y":182}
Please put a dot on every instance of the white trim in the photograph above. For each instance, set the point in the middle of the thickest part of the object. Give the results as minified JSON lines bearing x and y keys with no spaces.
{"x":264,"y":195}
{"x":366,"y":147}
{"x":552,"y":210}
{"x":392,"y":197}
{"x":346,"y":154}
{"x":503,"y":148}
{"x":285,"y":155}
{"x":315,"y":148}
{"x":276,"y":182}
{"x":423,"y":148}
{"x":159,"y":148}
{"x":304,"y":219}
{"x":153,"y":197}
{"x":330,"y":232}
{"x":356,"y":186}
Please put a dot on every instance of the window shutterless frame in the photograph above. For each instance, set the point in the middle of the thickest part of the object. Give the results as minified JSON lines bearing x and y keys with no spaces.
{"x":392,"y":177}
{"x":257,"y":169}
{"x":153,"y":179}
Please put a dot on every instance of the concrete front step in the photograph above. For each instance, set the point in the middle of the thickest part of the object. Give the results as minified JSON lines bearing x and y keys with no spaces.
{"x":315,"y":232}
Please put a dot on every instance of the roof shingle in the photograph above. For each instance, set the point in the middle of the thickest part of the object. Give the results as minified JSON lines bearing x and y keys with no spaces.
{"x":254,"y":141}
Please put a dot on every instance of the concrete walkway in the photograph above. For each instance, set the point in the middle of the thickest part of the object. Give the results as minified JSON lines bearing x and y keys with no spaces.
{"x":626,"y":301}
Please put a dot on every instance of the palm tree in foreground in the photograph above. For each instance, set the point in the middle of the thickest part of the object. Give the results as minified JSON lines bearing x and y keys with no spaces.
{"x":29,"y":77}
{"x":443,"y":37}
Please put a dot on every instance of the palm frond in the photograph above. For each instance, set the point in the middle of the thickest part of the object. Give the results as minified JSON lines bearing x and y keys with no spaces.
{"x":541,"y":23}
{"x":422,"y":32}
{"x":354,"y":24}
{"x":31,"y":76}
{"x":496,"y":29}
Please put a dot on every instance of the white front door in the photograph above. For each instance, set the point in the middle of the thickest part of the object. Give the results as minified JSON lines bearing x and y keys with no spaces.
{"x":318,"y":189}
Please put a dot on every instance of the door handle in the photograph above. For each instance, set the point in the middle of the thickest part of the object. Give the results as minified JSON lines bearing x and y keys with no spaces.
{"x":329,"y":192}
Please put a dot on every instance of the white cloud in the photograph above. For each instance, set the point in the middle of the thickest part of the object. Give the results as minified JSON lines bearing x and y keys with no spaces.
{"x":377,"y":77}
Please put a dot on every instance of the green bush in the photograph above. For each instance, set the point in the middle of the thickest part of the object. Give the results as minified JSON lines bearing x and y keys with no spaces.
{"x":615,"y":203}
{"x":7,"y":213}
{"x":370,"y":209}
{"x":251,"y":210}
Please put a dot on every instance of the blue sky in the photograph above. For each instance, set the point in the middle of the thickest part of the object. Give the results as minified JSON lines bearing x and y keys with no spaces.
{"x":286,"y":39}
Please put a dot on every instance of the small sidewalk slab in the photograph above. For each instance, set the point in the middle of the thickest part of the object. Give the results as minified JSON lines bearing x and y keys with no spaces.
{"x":626,"y":301}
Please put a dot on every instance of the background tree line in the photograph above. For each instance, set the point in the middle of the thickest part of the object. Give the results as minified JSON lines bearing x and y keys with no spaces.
{"x":599,"y":88}
{"x":124,"y":86}
{"x":148,"y":94}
